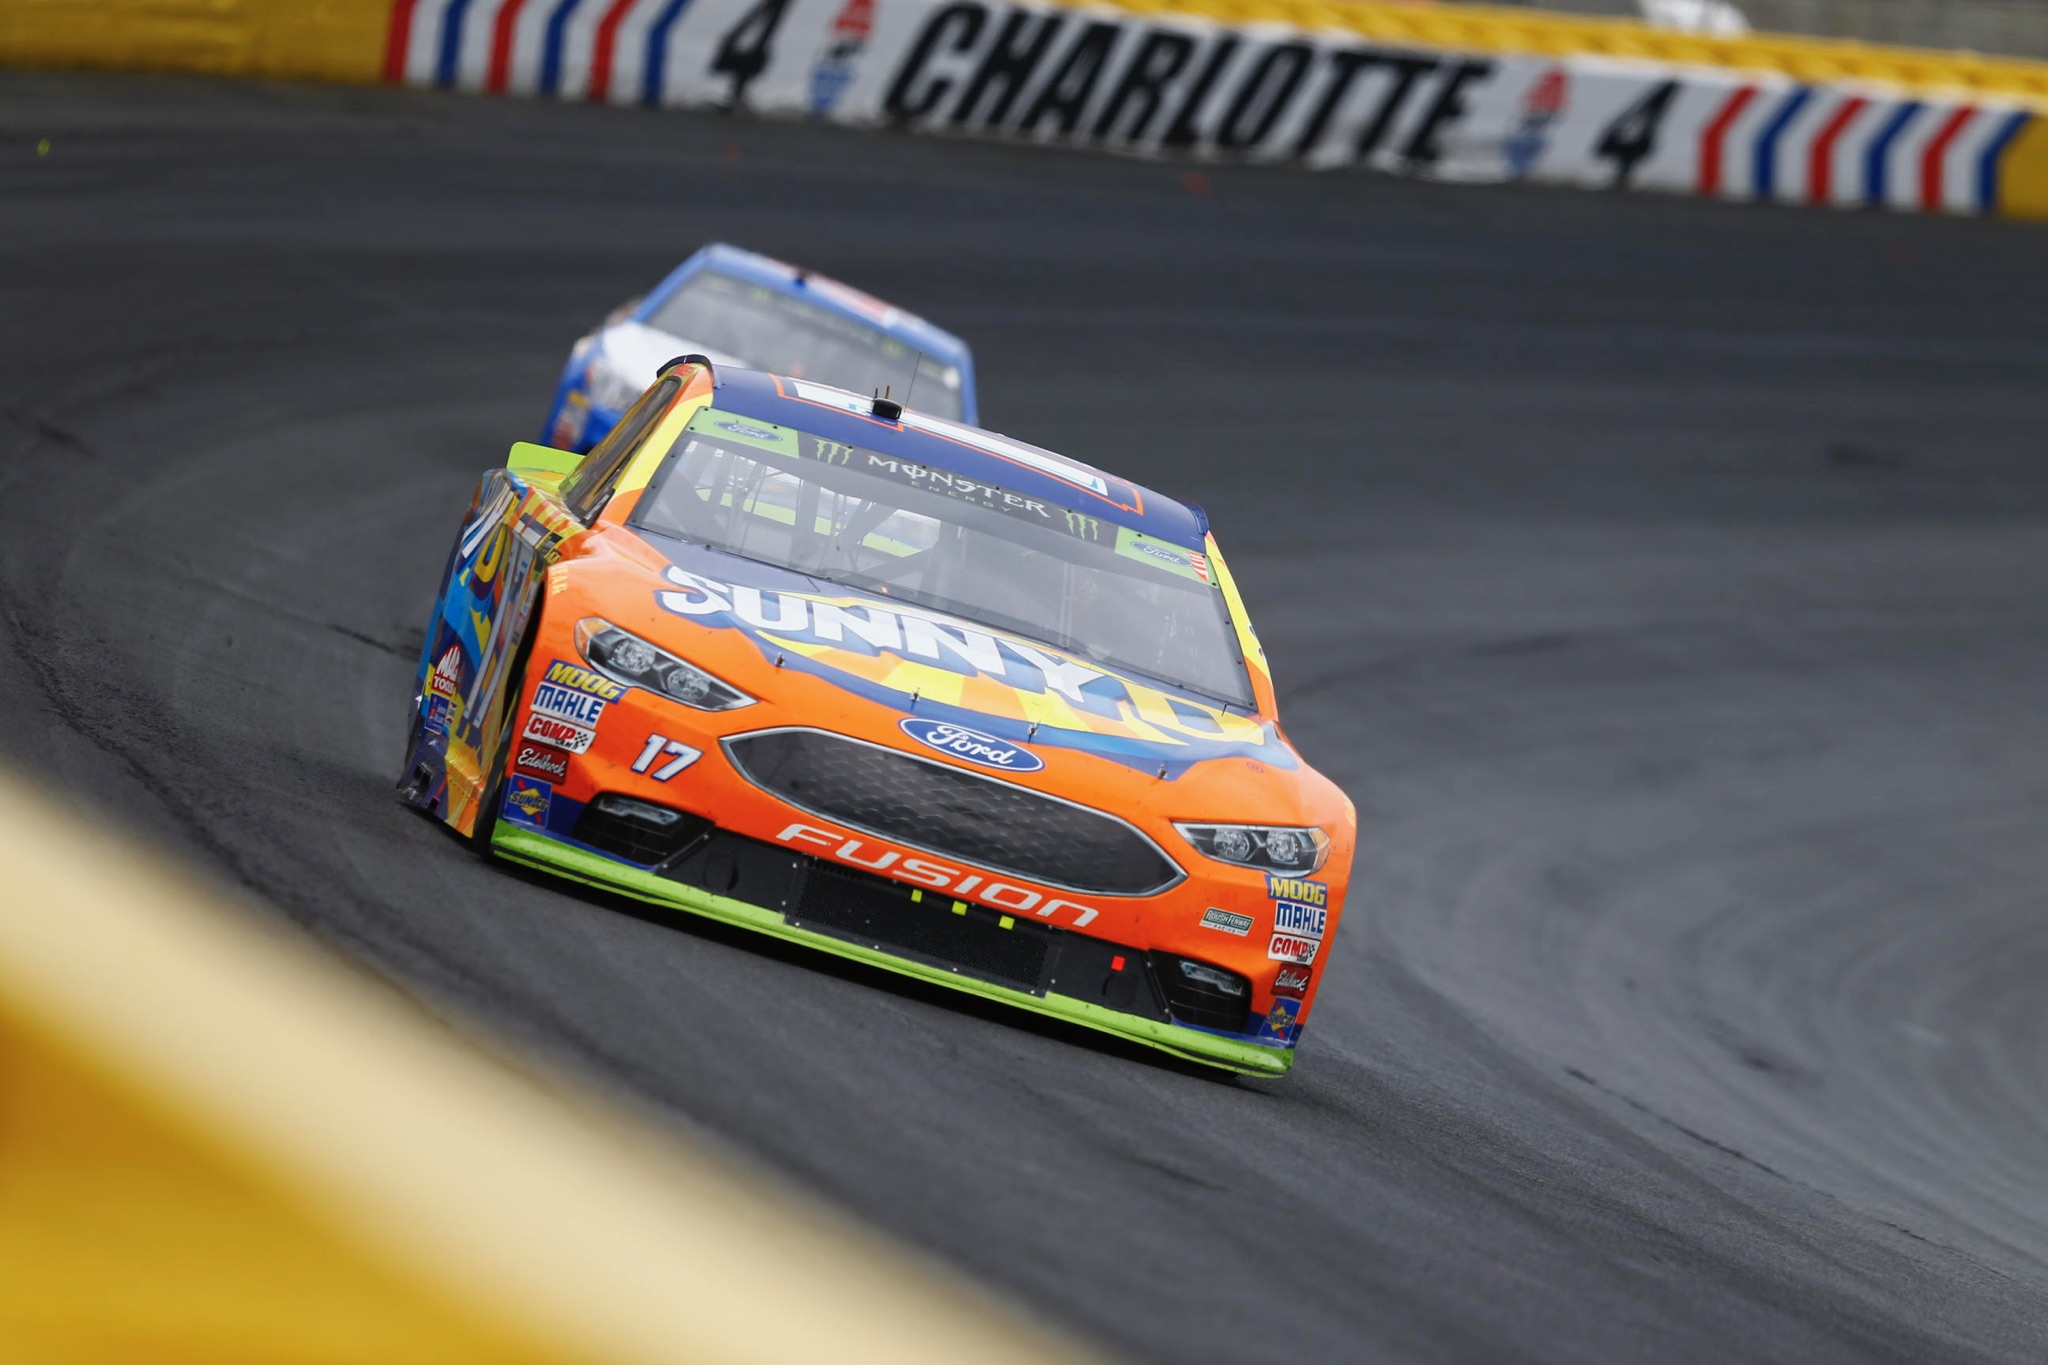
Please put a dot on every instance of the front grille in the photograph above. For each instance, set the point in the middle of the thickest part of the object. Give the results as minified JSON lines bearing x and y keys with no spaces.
{"x":950,"y":811}
{"x":1203,"y":995}
{"x":882,"y":914}
{"x":638,"y":831}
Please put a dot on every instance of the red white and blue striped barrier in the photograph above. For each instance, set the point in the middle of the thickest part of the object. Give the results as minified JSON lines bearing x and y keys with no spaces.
{"x":1170,"y":84}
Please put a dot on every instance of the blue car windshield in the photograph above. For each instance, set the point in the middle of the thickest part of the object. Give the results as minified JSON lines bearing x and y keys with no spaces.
{"x":774,"y":331}
{"x":936,"y":539}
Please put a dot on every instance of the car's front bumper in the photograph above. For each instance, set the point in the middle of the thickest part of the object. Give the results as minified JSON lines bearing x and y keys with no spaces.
{"x":1076,"y":966}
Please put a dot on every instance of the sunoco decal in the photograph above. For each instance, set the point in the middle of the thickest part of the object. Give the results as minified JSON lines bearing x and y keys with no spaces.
{"x":1281,"y":1022}
{"x":527,"y":801}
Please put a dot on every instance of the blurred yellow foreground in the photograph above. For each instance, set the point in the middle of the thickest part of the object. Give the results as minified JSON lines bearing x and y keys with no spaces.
{"x":218,"y":1146}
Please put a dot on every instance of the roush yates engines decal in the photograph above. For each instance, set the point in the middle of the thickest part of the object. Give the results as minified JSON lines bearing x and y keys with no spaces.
{"x":981,"y":681}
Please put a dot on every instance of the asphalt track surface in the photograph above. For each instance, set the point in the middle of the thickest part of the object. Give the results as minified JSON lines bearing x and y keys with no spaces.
{"x":1663,"y":580}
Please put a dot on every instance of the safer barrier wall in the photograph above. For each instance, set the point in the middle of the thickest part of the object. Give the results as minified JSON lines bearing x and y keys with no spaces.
{"x":1447,"y":92}
{"x":1167,"y":82}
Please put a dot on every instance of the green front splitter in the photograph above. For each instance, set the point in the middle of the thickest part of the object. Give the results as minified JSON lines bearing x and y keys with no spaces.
{"x":538,"y":851}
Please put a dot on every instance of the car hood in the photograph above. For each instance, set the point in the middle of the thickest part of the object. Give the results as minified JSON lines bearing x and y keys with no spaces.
{"x":938,"y":668}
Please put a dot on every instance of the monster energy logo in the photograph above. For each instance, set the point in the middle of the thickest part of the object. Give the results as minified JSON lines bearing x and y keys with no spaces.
{"x":834,"y":452}
{"x":1086,"y":527}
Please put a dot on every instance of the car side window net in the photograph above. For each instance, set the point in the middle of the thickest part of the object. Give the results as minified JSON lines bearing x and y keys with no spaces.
{"x":586,"y":490}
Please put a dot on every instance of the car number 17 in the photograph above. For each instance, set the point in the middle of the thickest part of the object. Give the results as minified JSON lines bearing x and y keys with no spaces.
{"x":680,"y":757}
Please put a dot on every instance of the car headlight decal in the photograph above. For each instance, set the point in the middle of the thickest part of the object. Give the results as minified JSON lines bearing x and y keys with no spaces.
{"x":1271,"y":848}
{"x":624,"y":657}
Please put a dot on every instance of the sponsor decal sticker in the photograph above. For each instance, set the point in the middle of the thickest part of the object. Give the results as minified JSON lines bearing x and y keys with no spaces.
{"x":1292,"y":981}
{"x":1293,"y":948}
{"x":1227,"y":921}
{"x":835,"y":69}
{"x":864,"y":645}
{"x":547,"y":762}
{"x":1298,"y":917}
{"x":579,"y":679}
{"x":1281,"y":1024}
{"x":446,"y":679}
{"x":1295,"y":889}
{"x":1542,"y":106}
{"x":567,"y":703}
{"x":972,"y":745}
{"x":748,"y":430}
{"x":1161,"y":554}
{"x":560,"y":733}
{"x":527,"y":801}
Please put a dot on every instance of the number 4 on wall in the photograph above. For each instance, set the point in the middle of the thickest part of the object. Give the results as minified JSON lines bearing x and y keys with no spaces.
{"x":680,"y":754}
{"x":1632,"y":137}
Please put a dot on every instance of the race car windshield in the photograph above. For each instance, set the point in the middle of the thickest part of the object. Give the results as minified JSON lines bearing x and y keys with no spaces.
{"x":940,"y":540}
{"x":773,"y":331}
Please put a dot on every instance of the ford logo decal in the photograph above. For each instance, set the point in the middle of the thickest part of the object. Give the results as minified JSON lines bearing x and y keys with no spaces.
{"x":972,"y":745}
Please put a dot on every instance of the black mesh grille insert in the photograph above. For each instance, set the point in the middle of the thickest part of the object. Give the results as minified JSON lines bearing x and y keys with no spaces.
{"x":882,"y":914}
{"x":638,"y":831}
{"x":947,"y":810}
{"x":1200,"y":994}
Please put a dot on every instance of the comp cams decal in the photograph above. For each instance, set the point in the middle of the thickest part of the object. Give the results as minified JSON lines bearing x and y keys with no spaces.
{"x":561,"y":734}
{"x":1293,"y":948}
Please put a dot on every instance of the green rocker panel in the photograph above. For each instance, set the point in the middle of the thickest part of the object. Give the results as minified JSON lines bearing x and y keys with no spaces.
{"x":539,"y":851}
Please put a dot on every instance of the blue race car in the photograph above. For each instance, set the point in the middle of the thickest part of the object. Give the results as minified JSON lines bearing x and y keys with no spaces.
{"x":746,"y":311}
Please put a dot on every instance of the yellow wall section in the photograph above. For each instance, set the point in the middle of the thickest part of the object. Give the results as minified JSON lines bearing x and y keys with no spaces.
{"x":218,"y":1146}
{"x":330,"y":40}
{"x":2023,"y":173}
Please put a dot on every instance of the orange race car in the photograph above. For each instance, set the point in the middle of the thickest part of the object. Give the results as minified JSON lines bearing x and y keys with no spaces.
{"x":894,"y":687}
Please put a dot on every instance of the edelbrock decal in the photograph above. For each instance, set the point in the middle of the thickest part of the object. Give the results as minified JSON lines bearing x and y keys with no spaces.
{"x":976,"y":747}
{"x":547,"y":762}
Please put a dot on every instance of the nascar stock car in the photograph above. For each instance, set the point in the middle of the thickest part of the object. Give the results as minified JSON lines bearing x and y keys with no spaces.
{"x":853,"y":675}
{"x":741,"y":309}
